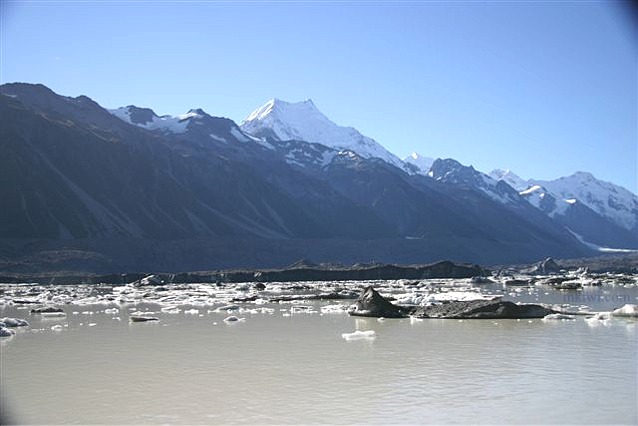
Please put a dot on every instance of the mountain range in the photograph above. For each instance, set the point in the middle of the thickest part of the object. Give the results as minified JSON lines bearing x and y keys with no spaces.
{"x":86,"y":188}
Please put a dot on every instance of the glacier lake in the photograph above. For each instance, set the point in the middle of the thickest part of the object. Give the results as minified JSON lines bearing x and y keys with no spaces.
{"x":236,"y":354}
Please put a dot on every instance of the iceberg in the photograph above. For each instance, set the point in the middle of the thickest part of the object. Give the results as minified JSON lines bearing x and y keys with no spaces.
{"x":559,"y":317}
{"x":627,"y":310}
{"x":14,"y":322}
{"x":359,"y":335}
{"x":5,"y":332}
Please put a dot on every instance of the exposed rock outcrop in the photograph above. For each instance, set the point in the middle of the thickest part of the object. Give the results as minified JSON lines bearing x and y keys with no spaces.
{"x":372,"y":304}
{"x":14,"y":322}
{"x":482,"y":309}
{"x":546,"y":267}
{"x":47,"y":310}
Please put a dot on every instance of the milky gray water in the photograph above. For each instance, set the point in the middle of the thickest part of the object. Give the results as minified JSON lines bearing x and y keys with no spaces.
{"x":278,"y":367}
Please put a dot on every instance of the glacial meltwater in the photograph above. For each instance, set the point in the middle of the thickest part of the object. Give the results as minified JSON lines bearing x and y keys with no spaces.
{"x":289,"y":359}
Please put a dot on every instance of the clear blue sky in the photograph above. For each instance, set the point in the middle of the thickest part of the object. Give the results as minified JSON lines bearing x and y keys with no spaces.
{"x":542,"y":88}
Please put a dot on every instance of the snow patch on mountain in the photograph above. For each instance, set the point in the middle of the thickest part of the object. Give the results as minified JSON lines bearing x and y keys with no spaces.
{"x":600,"y":248}
{"x":239,"y":135}
{"x":218,"y":138}
{"x":303,"y":121}
{"x":422,"y":163}
{"x":166,"y":123}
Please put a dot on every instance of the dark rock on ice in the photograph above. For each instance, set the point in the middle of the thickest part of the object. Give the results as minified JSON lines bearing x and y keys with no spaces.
{"x":516,"y":282}
{"x":47,"y":310}
{"x":546,"y":267}
{"x":244,"y":299}
{"x":140,"y":318}
{"x":372,"y":304}
{"x":151,"y":280}
{"x":482,"y":309}
{"x":5,"y":332}
{"x":15,"y":322}
{"x":334,"y":295}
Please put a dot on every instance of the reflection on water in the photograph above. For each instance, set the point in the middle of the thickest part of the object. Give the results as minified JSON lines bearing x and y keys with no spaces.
{"x":278,"y":367}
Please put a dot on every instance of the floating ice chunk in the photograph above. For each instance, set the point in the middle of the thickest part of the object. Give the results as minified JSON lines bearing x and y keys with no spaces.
{"x":302,"y":310}
{"x":5,"y":332}
{"x":409,"y":299}
{"x":52,"y":314}
{"x":57,"y":327}
{"x":599,"y":316}
{"x":626,"y":311}
{"x":559,"y":317}
{"x":111,"y":311}
{"x":143,"y":313}
{"x":92,"y":324}
{"x":359,"y":335}
{"x":192,"y":311}
{"x":15,"y":322}
{"x":232,"y":319}
{"x":459,"y":296}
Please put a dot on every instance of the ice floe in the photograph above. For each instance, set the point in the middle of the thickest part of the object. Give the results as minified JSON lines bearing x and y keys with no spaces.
{"x":6,"y":332}
{"x":627,"y":310}
{"x":359,"y":335}
{"x":15,"y":322}
{"x":558,"y":317}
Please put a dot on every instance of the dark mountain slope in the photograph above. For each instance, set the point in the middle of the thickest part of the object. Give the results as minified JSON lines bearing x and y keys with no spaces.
{"x":82,"y":188}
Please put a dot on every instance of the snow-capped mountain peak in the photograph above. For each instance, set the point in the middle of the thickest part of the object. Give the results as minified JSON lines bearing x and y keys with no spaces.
{"x":303,"y":121}
{"x":422,"y":163}
{"x":607,"y":199}
{"x":451,"y":171}
{"x":613,"y":202}
{"x":511,"y":178}
{"x":193,"y":113}
{"x":275,"y":105}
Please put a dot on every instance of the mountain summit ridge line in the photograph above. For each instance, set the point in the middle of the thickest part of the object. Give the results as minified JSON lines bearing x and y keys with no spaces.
{"x":129,"y":173}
